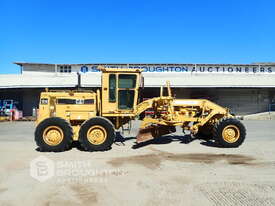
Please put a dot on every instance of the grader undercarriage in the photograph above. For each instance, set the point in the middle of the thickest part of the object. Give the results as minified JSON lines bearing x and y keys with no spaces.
{"x":91,"y":118}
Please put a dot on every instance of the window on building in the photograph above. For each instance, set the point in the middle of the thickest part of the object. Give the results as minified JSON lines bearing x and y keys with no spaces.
{"x":65,"y":69}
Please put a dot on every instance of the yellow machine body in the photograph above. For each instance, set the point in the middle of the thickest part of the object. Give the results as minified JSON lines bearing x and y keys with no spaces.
{"x":111,"y":102}
{"x":118,"y":102}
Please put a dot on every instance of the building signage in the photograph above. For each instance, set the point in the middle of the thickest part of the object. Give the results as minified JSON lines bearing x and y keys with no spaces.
{"x":191,"y":68}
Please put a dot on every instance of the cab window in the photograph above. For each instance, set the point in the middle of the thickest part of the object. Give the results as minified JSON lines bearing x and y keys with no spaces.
{"x":112,"y":88}
{"x":126,"y":93}
{"x":126,"y":99}
{"x":127,"y":81}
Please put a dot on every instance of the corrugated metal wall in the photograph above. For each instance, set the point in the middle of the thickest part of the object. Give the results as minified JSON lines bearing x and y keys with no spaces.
{"x":244,"y":101}
{"x":241,"y":101}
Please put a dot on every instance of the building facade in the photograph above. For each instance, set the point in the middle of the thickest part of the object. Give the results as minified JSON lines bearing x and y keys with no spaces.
{"x":244,"y":88}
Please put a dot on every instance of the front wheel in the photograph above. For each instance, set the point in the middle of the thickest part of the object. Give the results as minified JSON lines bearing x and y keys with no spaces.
{"x":97,"y":134}
{"x":229,"y":132}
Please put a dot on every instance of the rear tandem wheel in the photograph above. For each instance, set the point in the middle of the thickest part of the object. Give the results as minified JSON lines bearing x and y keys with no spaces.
{"x":97,"y":134}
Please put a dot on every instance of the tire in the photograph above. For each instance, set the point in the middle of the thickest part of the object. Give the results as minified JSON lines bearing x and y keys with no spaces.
{"x":205,"y":132}
{"x":57,"y":126}
{"x":229,"y":132}
{"x":97,"y":134}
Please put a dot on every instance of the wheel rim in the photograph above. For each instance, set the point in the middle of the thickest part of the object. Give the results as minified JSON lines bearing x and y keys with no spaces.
{"x":231,"y":133}
{"x":53,"y":135}
{"x":97,"y":135}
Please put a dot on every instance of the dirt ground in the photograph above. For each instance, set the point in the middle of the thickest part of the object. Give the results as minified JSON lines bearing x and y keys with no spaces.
{"x":173,"y":170}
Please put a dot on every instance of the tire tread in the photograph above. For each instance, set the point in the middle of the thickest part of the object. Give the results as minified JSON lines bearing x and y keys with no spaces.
{"x":218,"y":127}
{"x":86,"y":145}
{"x":67,"y":130}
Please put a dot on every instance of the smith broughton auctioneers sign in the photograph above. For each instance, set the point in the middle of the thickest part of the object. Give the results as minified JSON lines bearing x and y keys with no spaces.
{"x":191,"y":68}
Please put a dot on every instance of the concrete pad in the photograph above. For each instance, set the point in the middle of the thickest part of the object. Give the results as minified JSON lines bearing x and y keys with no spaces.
{"x":172,"y":170}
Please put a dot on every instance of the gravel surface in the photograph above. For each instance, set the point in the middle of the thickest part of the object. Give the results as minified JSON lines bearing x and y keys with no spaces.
{"x":172,"y":170}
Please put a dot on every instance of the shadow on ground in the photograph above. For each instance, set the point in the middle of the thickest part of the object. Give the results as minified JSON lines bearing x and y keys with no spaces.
{"x":167,"y":139}
{"x":74,"y":145}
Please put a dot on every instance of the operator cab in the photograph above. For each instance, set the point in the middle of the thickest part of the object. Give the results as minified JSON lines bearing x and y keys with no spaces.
{"x":120,"y":90}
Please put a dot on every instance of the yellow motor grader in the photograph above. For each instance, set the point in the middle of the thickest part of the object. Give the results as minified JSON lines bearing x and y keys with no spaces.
{"x":91,"y":118}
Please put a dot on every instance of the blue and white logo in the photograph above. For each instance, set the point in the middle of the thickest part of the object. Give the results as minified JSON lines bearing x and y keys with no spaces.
{"x":84,"y":69}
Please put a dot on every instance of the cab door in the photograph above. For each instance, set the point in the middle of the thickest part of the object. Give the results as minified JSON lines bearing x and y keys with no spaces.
{"x":119,"y":92}
{"x":109,"y":93}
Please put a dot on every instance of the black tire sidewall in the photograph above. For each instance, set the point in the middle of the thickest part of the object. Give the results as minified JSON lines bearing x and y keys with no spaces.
{"x":218,"y":129}
{"x":62,"y":124}
{"x":108,"y":126}
{"x":205,"y":132}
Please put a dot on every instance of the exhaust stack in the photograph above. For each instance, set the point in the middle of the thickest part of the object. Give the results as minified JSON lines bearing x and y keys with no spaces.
{"x":78,"y":86}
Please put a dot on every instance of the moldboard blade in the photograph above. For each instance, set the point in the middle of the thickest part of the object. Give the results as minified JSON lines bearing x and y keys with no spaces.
{"x":154,"y":131}
{"x":145,"y":134}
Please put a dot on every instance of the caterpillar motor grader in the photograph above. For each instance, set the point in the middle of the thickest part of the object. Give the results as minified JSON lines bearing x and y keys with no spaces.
{"x":91,"y":118}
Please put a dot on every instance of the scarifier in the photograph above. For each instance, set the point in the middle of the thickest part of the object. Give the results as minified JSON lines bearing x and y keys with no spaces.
{"x":91,"y":118}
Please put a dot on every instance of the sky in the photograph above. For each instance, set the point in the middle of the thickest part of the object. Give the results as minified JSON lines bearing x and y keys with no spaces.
{"x":143,"y":31}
